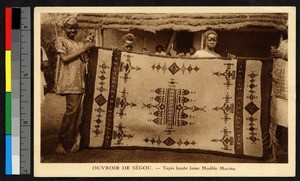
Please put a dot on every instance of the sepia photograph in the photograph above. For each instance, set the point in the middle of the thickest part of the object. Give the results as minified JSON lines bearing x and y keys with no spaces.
{"x":164,"y":91}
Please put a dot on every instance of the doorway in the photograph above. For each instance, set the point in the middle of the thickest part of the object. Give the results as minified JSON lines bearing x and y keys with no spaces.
{"x":184,"y":41}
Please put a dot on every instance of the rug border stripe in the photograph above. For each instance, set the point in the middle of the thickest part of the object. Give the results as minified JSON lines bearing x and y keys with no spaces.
{"x":239,"y":105}
{"x":88,"y":100}
{"x":113,"y":85}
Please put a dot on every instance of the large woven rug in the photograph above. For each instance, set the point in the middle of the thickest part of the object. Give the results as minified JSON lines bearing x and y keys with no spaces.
{"x":209,"y":105}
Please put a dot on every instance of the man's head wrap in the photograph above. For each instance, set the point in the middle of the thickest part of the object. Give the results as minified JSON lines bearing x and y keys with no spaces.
{"x":129,"y":37}
{"x":209,"y":32}
{"x":69,"y":21}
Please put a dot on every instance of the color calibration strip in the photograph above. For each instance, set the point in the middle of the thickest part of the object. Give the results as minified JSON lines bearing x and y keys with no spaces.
{"x":17,"y":97}
{"x":8,"y":140}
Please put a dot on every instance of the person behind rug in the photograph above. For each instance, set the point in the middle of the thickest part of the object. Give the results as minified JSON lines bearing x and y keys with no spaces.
{"x":210,"y":41}
{"x":279,"y":101}
{"x":127,"y":42}
{"x":70,"y":75}
{"x":160,"y":50}
{"x":191,"y":52}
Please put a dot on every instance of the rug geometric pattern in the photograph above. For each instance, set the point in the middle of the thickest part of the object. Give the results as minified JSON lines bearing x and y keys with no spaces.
{"x":175,"y":103}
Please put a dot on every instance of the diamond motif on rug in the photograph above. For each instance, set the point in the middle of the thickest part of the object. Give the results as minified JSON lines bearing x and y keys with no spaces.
{"x":169,"y":141}
{"x":100,"y":99}
{"x":174,"y":68}
{"x":251,"y":108}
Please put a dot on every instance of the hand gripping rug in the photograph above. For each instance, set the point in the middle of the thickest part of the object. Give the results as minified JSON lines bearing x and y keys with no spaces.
{"x":214,"y":105}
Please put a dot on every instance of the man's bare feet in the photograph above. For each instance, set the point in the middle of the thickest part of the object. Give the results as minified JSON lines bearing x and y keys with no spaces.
{"x":60,"y":149}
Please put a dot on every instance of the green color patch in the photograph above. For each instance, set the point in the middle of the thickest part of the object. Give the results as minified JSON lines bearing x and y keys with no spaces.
{"x":7,"y":113}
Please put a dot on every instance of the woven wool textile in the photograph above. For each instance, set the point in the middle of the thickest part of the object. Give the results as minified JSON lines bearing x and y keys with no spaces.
{"x":211,"y":105}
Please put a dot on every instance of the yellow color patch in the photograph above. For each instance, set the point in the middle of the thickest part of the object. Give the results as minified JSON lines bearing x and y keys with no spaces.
{"x":8,"y":71}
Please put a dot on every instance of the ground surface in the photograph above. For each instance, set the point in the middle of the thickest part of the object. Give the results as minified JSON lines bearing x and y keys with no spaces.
{"x":52,"y":112}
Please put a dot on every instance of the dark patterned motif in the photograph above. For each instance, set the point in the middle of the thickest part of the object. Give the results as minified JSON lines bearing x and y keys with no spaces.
{"x":174,"y":68}
{"x":127,"y":68}
{"x":228,"y":74}
{"x":122,"y":103}
{"x":251,"y":108}
{"x":169,"y":141}
{"x":159,"y":67}
{"x":226,"y":108}
{"x":226,"y":140}
{"x":239,"y":104}
{"x":119,"y":134}
{"x":114,"y":74}
{"x":100,"y":99}
{"x":171,"y":108}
